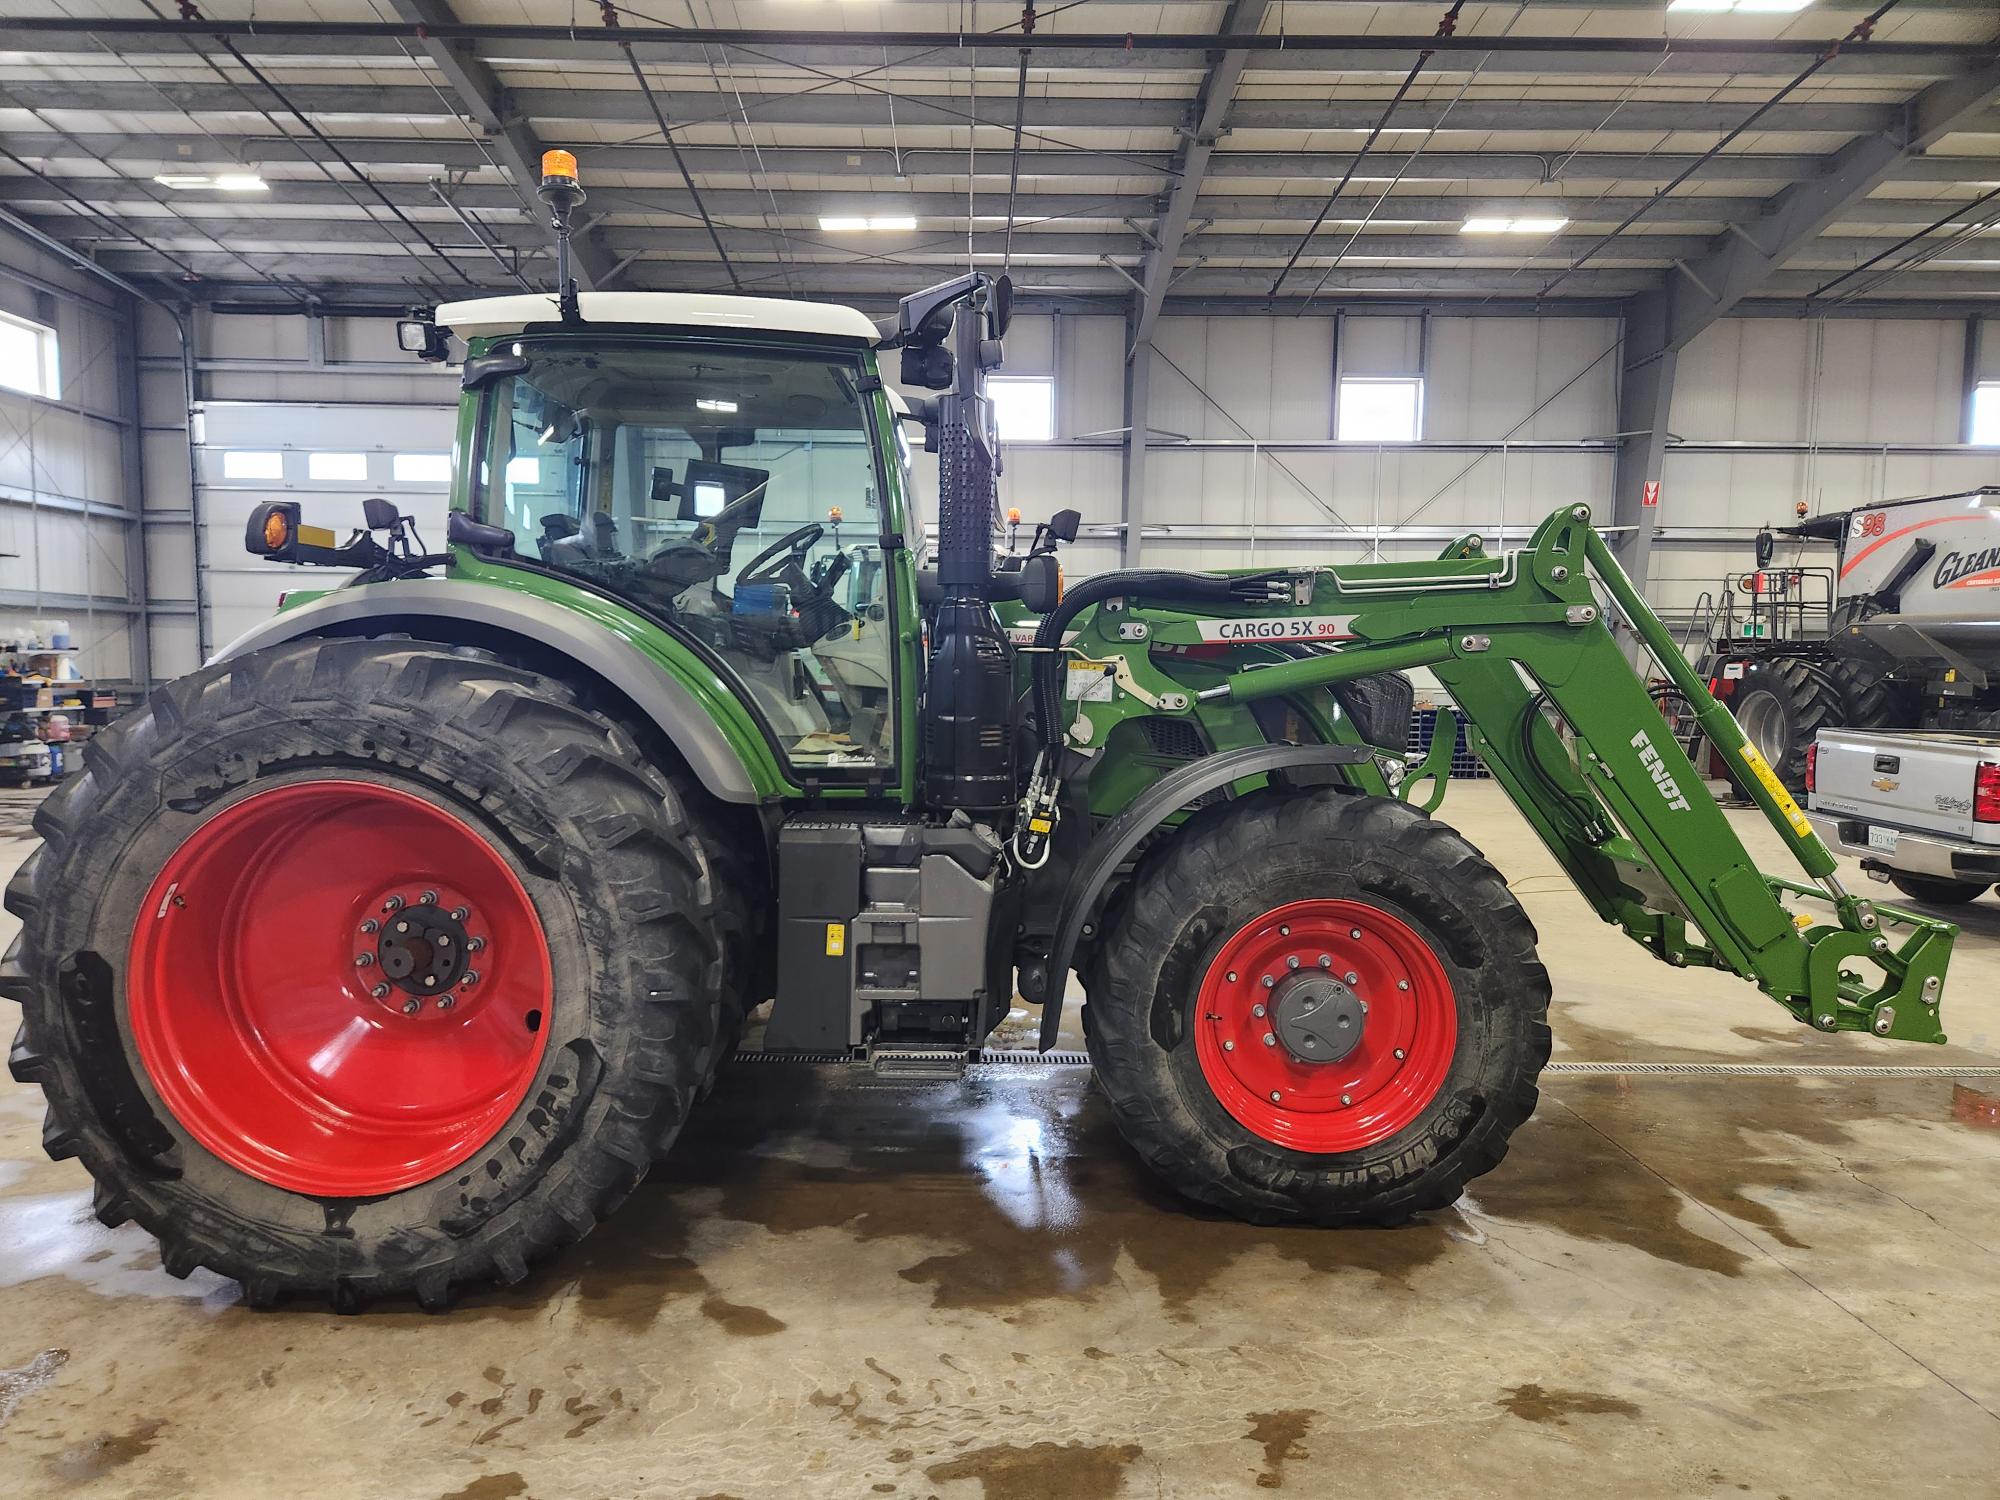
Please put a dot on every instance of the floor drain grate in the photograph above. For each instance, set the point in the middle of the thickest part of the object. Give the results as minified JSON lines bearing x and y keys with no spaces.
{"x":1776,"y":1070}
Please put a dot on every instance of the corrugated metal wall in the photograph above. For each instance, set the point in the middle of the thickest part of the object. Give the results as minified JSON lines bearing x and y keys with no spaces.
{"x":65,"y":480}
{"x":1520,"y":416}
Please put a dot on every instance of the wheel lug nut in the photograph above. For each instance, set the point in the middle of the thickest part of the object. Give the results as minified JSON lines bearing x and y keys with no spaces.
{"x":1326,"y":960}
{"x":1232,"y":976}
{"x":475,"y":944}
{"x":371,"y":925}
{"x":460,"y":913}
{"x":1355,"y":933}
{"x":394,"y":903}
{"x":446,"y":1002}
{"x":1284,"y":932}
{"x":1402,"y":984}
{"x":444,"y":940}
{"x":471,"y":977}
{"x":1270,"y":1040}
{"x":402,"y":927}
{"x":1270,"y":980}
{"x":1276,"y":1097}
{"x":1256,"y":1010}
{"x":412,"y":1005}
{"x":363,"y":960}
{"x":429,"y":898}
{"x":430,"y":980}
{"x":1292,"y":962}
{"x":380,"y":992}
{"x":1352,"y":977}
{"x":1229,"y":1046}
{"x":1346,"y":1098}
{"x":1400,"y":1054}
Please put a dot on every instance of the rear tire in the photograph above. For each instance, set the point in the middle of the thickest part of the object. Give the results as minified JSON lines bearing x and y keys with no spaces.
{"x":1449,"y":1048}
{"x":623,"y":926}
{"x":1935,"y":890}
{"x":1782,"y":705}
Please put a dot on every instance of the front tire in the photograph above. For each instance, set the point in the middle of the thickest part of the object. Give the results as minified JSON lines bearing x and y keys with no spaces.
{"x":1782,"y":705}
{"x":258,"y":1065}
{"x":1271,"y":934}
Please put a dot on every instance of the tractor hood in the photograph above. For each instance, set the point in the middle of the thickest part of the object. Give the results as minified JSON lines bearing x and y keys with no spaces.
{"x":493,"y":317}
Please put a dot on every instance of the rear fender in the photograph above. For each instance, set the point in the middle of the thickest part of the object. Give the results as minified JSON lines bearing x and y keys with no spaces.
{"x":663,"y":684}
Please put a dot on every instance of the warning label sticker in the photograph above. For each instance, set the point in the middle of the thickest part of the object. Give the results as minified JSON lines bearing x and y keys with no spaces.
{"x":1089,"y":683}
{"x":1761,"y":769}
{"x":1281,"y":628}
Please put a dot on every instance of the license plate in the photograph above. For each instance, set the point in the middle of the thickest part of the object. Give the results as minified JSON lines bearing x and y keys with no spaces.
{"x":1883,"y":839}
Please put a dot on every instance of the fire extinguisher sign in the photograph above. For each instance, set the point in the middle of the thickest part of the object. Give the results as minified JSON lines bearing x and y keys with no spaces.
{"x":1649,"y":496}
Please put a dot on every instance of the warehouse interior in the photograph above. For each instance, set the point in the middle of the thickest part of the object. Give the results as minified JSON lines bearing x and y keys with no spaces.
{"x":1297,"y":284}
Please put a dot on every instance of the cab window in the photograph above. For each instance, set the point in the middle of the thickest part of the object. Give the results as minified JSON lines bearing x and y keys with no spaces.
{"x":731,"y":492}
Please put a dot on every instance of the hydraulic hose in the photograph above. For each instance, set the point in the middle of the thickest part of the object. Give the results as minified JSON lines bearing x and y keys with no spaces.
{"x":1151,"y":583}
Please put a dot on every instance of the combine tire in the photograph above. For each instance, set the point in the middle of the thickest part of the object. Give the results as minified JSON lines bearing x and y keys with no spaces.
{"x":1935,"y":890}
{"x":1782,"y":704}
{"x":1322,"y":1007}
{"x":1871,"y":700}
{"x":355,"y":968}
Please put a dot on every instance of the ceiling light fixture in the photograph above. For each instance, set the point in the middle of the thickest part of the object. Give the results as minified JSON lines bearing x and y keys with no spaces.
{"x":711,"y":403}
{"x":228,"y":182}
{"x":841,"y":223}
{"x":1512,"y":226}
{"x":1741,"y":7}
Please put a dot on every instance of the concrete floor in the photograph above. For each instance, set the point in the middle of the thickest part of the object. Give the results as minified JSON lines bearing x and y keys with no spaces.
{"x":1677,"y":1284}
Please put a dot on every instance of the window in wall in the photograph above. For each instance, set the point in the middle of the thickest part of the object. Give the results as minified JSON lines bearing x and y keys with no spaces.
{"x":252,"y":463}
{"x":1986,"y":413}
{"x":1024,"y":406}
{"x":1380,"y":409}
{"x":422,"y":468}
{"x":337,"y":466}
{"x":28,"y":358}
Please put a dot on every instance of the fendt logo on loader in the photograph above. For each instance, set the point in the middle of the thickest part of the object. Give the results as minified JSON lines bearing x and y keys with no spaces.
{"x":1662,"y":777}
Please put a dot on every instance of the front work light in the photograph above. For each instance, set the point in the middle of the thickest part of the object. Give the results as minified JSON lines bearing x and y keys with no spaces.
{"x":421,"y":337}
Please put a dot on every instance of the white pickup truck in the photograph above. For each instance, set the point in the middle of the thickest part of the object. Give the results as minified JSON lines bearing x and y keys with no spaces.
{"x":1919,"y":808}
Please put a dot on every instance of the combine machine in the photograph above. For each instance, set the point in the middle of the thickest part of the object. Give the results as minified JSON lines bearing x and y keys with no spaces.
{"x":383,"y":954}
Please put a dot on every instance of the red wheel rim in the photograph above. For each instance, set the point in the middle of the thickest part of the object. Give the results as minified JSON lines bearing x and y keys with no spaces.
{"x":1361,"y":956}
{"x":257,"y":982}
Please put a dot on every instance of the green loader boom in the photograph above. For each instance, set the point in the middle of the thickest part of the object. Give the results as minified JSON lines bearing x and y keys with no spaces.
{"x":1522,"y":644}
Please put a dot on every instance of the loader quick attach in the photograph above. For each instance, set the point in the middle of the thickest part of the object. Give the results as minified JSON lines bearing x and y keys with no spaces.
{"x":384,"y":953}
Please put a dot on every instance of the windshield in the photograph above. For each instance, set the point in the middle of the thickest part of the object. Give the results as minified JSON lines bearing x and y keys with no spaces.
{"x":730,"y":491}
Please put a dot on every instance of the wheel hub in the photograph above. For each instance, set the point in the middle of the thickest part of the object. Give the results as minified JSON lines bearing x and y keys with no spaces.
{"x":1319,"y":1019}
{"x":421,"y":950}
{"x":1325,"y":1025}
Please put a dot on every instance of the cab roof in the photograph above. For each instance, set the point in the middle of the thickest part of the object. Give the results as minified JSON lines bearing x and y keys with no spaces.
{"x":489,"y":317}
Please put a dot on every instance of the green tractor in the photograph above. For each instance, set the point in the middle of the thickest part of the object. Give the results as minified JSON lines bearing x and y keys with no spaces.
{"x":384,"y":954}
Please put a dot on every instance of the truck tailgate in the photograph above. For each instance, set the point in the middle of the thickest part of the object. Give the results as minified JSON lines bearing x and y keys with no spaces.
{"x":1921,"y":781}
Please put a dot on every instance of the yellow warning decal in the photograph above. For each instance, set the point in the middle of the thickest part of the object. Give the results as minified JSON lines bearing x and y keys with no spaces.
{"x":317,"y":536}
{"x":1761,"y":769}
{"x":836,"y":939}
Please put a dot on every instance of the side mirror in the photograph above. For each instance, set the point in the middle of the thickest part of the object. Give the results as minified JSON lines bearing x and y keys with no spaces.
{"x":379,"y":514}
{"x":1063,"y":525}
{"x":1001,"y":312}
{"x":1041,"y":582}
{"x":491,"y":367}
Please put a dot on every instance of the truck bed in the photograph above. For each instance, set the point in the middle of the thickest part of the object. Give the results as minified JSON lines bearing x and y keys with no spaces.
{"x":1908,"y":800}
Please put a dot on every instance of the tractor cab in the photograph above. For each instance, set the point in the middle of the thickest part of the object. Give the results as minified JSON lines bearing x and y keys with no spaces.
{"x":726,"y":467}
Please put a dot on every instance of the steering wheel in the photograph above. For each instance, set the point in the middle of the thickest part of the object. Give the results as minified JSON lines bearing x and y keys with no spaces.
{"x":767,"y":567}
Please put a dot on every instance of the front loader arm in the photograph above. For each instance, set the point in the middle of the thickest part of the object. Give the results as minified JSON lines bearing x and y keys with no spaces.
{"x":1521,"y":643}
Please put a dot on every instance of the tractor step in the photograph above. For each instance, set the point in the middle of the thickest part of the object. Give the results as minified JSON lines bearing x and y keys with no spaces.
{"x":917,"y":1064}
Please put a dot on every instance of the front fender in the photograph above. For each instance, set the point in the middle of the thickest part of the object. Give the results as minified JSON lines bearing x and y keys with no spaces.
{"x":669,"y":684}
{"x":1044,"y":980}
